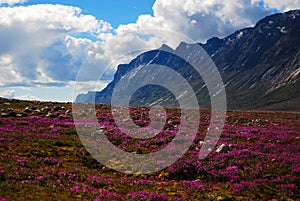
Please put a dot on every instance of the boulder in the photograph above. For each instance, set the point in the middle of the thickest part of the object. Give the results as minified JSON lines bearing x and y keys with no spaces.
{"x":52,"y":115}
{"x":37,"y":112}
{"x":12,"y":113}
{"x":4,"y":115}
{"x":33,"y":107}
{"x":45,"y":109}
{"x":27,"y":110}
{"x":24,"y":114}
{"x":223,"y":148}
{"x":59,"y":108}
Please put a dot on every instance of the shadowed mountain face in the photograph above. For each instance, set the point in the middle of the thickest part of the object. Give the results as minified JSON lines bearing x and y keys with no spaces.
{"x":260,"y":68}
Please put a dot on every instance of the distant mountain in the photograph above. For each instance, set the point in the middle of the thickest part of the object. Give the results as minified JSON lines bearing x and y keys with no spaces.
{"x":260,"y":67}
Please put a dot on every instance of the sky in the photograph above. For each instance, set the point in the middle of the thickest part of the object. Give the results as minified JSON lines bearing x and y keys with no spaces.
{"x":44,"y":45}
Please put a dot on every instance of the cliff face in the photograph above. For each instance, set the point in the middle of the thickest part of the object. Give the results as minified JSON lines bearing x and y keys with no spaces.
{"x":260,"y":67}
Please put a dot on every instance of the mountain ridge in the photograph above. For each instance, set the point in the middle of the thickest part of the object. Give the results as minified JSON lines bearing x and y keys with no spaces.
{"x":260,"y":66}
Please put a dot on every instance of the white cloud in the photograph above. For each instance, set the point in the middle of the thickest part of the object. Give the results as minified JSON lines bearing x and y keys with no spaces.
{"x":11,"y":2}
{"x":9,"y":72}
{"x":201,"y":20}
{"x":8,"y":94}
{"x":35,"y":42}
{"x":285,"y":5}
{"x":52,"y":18}
{"x":26,"y":97}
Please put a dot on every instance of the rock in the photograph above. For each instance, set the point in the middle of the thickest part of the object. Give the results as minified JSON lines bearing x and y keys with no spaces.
{"x":45,"y":109}
{"x":59,"y":108}
{"x":61,"y":117}
{"x":200,"y":144}
{"x":27,"y":110}
{"x":24,"y":114}
{"x":4,"y":115}
{"x":52,"y":115}
{"x":97,"y":133}
{"x":8,"y":104}
{"x":223,"y":148}
{"x":12,"y":114}
{"x":33,"y":108}
{"x":10,"y":110}
{"x":37,"y":111}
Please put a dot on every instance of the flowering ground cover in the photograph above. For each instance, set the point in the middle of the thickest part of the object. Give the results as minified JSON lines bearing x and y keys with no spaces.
{"x":42,"y":158}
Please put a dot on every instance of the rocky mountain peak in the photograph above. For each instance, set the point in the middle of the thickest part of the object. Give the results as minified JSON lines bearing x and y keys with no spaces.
{"x":259,"y":65}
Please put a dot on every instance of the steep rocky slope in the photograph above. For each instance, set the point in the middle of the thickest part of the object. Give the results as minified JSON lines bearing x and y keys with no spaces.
{"x":260,"y":67}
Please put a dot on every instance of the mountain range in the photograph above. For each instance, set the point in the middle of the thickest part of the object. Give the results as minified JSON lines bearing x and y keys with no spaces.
{"x":260,"y":67}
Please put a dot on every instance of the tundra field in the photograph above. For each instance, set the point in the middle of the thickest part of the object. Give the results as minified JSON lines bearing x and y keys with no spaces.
{"x":42,"y":157}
